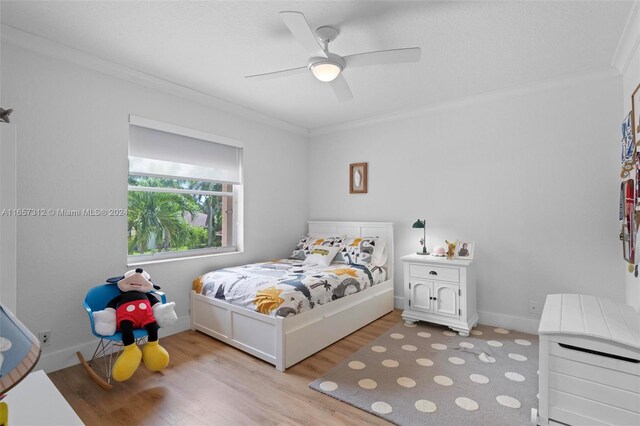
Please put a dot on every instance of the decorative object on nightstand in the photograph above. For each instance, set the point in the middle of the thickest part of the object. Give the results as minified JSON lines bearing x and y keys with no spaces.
{"x":422,"y":224}
{"x":19,"y":353}
{"x":440,"y":291}
{"x":438,"y":251}
{"x":464,"y":250}
{"x":451,"y":249}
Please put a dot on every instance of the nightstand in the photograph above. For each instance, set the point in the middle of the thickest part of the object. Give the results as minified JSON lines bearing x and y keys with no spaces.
{"x":440,"y":291}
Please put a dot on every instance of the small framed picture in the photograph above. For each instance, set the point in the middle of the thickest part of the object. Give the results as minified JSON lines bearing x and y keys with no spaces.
{"x":358,"y":178}
{"x":464,"y":250}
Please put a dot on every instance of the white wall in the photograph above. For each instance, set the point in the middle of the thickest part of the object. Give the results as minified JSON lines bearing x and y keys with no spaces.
{"x":630,"y":80}
{"x":531,"y":178}
{"x":72,"y":153}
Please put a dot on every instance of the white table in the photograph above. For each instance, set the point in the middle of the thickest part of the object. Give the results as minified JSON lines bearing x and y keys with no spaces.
{"x":36,"y":401}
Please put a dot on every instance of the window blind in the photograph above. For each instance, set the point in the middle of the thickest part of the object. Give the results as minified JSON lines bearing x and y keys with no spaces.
{"x":159,"y":153}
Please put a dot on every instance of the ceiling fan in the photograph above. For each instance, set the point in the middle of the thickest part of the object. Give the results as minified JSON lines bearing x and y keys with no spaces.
{"x":327,"y":66}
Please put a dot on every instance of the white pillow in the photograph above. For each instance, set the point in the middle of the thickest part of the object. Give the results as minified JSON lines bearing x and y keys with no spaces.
{"x":321,"y":255}
{"x":379,"y":253}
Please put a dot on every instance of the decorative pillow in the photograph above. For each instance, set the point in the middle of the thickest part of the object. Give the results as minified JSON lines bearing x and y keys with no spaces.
{"x":306,"y":244}
{"x":321,"y":255}
{"x":362,"y":250}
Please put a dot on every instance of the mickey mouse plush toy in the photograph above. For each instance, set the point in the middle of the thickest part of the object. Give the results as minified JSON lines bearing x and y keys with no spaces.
{"x":135,"y":307}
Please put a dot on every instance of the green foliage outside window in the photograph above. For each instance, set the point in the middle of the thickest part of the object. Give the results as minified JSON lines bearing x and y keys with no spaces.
{"x":168,"y":221}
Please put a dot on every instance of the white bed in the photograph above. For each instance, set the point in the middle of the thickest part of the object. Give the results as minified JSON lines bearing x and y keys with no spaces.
{"x":284,"y":342}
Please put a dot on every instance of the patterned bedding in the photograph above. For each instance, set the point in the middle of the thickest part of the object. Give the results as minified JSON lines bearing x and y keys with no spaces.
{"x":286,"y":287}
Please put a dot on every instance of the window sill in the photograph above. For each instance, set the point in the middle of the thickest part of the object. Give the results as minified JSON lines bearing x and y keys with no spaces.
{"x":133,"y":262}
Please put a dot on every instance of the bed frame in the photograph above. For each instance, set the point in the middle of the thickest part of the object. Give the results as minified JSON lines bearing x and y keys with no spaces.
{"x":284,"y":342}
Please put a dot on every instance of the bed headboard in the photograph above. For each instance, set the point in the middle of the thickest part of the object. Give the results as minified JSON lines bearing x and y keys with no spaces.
{"x":358,"y":229}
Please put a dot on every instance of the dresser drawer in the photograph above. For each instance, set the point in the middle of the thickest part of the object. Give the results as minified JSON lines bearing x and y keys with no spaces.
{"x":439,"y":273}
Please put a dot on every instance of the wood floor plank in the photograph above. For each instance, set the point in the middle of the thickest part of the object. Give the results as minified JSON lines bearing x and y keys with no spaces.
{"x":210,"y":383}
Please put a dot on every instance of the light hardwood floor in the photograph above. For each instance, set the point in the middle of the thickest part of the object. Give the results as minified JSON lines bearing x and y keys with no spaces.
{"x":208,"y":382}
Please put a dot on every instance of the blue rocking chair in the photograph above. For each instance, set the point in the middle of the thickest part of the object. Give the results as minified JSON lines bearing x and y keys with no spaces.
{"x":108,"y":346}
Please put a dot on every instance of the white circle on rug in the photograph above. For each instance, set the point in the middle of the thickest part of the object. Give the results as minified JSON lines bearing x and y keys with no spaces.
{"x":5,"y":344}
{"x":494,"y":343}
{"x":381,"y":407}
{"x":457,"y":361}
{"x":466,"y":345}
{"x":486,"y":358}
{"x":425,"y":362}
{"x":476,"y":332}
{"x":514,"y":376}
{"x":501,"y":331}
{"x":357,"y":365}
{"x":367,"y":384}
{"x":406,"y":382}
{"x":523,"y":342}
{"x":397,"y":336}
{"x":439,"y":346}
{"x":425,"y":406}
{"x":508,"y":401}
{"x":425,"y":335}
{"x":479,"y":378}
{"x":518,"y":357}
{"x":443,"y":380}
{"x":466,"y":403}
{"x":449,"y":333}
{"x":410,"y":325}
{"x":409,"y":348}
{"x":328,"y":386}
{"x":391,"y":363}
{"x":378,"y":349}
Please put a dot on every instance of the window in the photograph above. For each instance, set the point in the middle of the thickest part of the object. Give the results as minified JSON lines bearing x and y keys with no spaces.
{"x":184,"y":192}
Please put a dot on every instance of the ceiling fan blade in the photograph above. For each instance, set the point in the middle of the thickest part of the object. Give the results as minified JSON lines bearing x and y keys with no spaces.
{"x":393,"y":56}
{"x":341,"y":89}
{"x":278,"y":74}
{"x":299,"y":27}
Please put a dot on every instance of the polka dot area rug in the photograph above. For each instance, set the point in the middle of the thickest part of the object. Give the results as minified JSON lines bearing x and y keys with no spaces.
{"x":424,"y":374}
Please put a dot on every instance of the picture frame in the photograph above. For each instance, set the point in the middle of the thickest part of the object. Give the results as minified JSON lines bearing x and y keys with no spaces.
{"x":464,"y":250}
{"x":358,"y":178}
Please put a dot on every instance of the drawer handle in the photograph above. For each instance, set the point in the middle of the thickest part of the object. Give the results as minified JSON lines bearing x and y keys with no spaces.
{"x":433,"y":273}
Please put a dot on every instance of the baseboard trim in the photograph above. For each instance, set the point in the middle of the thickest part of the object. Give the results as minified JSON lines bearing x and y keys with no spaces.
{"x":510,"y":322}
{"x":63,"y":358}
{"x":398,"y":302}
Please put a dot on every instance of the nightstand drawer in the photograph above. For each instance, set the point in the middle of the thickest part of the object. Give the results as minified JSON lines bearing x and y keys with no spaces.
{"x":435,"y":273}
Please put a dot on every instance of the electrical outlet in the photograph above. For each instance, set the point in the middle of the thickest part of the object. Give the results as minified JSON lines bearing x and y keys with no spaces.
{"x":45,"y":337}
{"x":534,"y":307}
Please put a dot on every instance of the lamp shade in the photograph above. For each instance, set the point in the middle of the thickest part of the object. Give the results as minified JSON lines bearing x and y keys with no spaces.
{"x":19,"y":350}
{"x":326,"y":71}
{"x":419,"y":224}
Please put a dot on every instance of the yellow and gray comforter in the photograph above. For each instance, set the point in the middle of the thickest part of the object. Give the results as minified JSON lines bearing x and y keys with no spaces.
{"x":286,"y":287}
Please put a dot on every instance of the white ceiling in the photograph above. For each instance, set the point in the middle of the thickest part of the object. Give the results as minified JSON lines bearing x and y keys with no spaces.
{"x":467,"y":47}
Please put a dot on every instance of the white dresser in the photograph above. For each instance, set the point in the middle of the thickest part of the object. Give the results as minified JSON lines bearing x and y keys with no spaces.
{"x":440,"y":291}
{"x":589,"y":362}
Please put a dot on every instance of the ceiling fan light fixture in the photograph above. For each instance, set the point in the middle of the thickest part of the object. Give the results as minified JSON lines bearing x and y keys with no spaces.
{"x":326,"y":70}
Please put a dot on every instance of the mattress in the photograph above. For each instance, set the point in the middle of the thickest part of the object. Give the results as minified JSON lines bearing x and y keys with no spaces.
{"x":286,"y":287}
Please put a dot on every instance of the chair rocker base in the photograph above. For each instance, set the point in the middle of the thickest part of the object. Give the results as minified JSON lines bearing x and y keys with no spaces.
{"x":104,"y":354}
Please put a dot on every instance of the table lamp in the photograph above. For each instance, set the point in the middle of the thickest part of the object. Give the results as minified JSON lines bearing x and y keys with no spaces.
{"x":422,"y":224}
{"x":19,"y":353}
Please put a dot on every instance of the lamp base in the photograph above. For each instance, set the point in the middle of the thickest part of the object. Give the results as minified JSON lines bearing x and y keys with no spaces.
{"x":422,"y":252}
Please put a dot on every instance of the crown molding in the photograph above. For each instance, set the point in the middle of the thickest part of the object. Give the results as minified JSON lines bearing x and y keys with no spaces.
{"x":629,"y":40}
{"x":59,"y":51}
{"x":468,"y":101}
